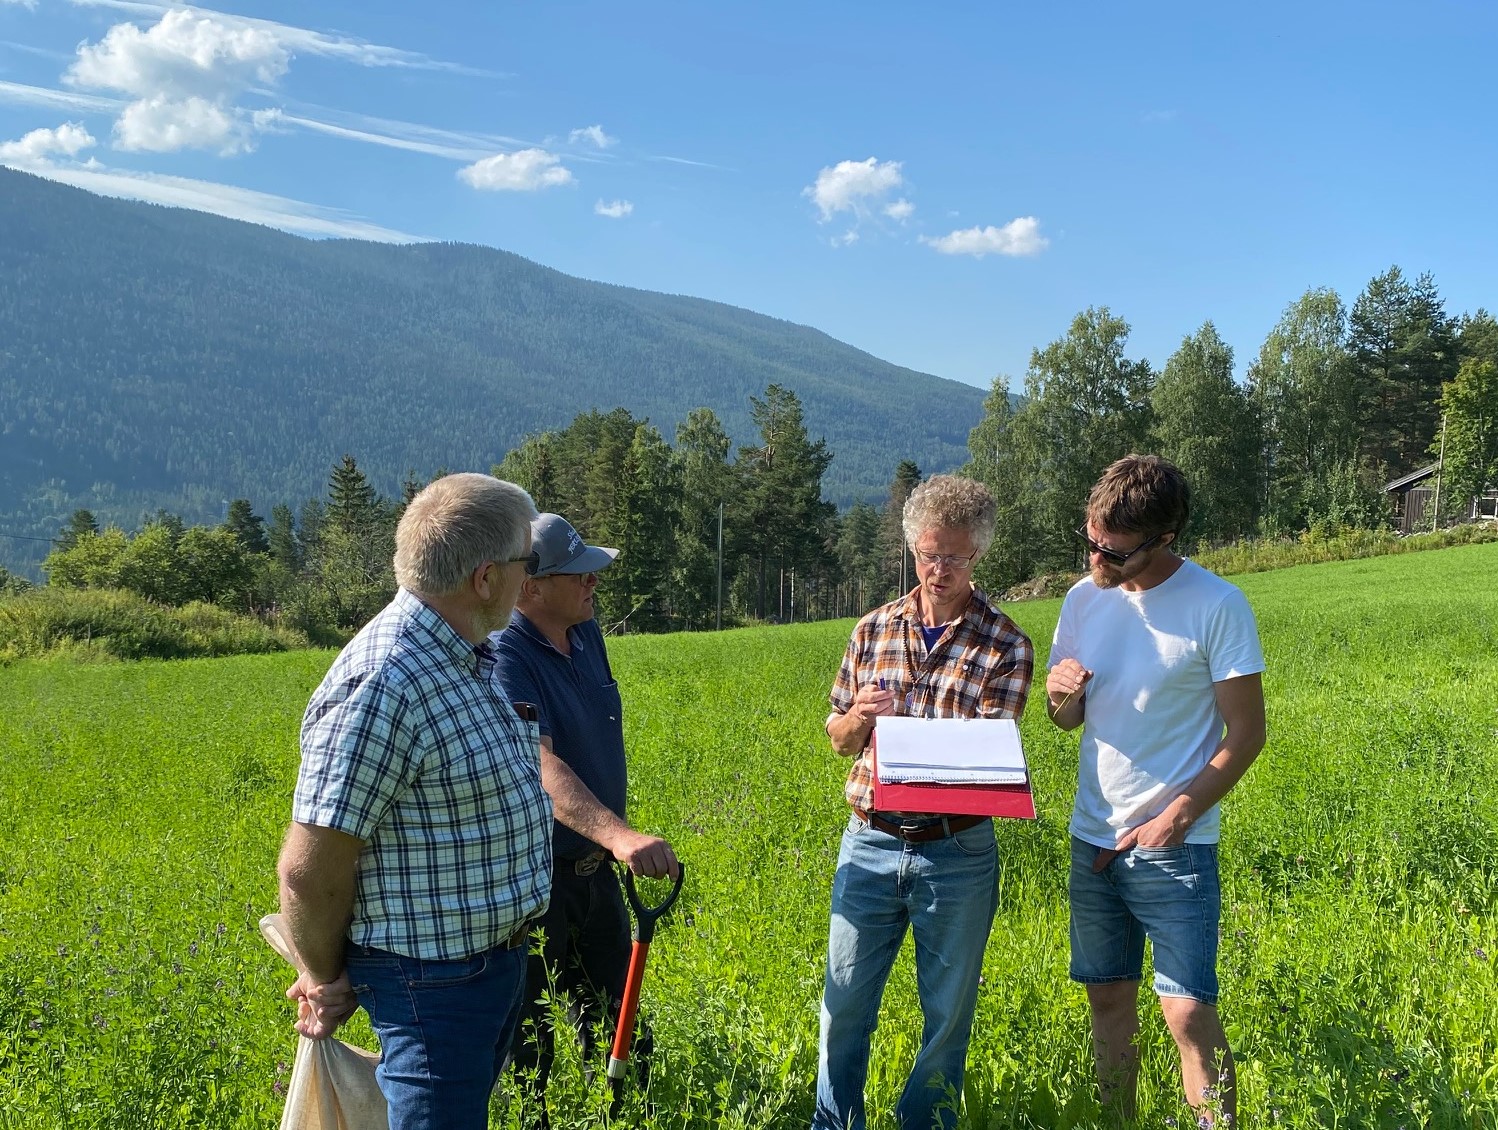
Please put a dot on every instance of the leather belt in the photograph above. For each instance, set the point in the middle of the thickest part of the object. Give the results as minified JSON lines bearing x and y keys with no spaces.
{"x":924,"y":832}
{"x":520,"y":937}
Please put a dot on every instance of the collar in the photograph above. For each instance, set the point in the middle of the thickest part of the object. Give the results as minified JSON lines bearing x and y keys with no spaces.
{"x":908,"y":608}
{"x":522,"y":624}
{"x":430,"y":620}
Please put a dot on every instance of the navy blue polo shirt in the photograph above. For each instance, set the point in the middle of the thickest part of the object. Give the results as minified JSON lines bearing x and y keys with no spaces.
{"x":580,"y":710}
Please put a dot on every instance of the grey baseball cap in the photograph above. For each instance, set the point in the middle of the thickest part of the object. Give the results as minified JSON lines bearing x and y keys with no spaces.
{"x":557,"y":548}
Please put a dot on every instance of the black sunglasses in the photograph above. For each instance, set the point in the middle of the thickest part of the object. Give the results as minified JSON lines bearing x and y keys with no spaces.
{"x":1113,"y":555}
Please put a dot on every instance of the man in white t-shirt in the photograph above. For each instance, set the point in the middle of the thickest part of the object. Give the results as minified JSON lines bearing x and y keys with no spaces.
{"x":1159,"y":661}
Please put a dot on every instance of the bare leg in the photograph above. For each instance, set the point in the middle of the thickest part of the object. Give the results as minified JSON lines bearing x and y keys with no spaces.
{"x":1115,"y":1052}
{"x":1206,"y":1062}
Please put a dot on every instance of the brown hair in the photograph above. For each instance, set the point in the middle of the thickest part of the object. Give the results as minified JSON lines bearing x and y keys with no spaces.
{"x":1140,"y":494}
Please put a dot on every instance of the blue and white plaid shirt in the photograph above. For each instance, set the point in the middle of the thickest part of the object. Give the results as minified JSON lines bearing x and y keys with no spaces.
{"x":409,"y":745}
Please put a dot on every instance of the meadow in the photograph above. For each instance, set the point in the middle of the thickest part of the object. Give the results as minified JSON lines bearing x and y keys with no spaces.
{"x":144,"y":804}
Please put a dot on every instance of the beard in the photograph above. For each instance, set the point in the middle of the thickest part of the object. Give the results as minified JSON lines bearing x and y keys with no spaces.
{"x":1111,"y":576}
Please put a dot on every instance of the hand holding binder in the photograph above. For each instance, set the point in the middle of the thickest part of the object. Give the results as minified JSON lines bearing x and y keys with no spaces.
{"x":951,"y":766}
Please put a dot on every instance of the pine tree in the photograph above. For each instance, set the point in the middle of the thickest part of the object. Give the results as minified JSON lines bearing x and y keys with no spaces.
{"x":993,"y":460}
{"x":1403,"y":348}
{"x":82,"y":522}
{"x":246,"y":526}
{"x":704,"y":477}
{"x":784,"y":524}
{"x":281,"y":539}
{"x":894,"y":555}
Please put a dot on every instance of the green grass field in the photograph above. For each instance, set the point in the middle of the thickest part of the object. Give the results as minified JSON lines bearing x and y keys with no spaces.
{"x":144,"y":804}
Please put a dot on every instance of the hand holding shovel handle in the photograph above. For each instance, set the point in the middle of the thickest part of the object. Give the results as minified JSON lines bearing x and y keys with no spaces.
{"x":645,"y":920}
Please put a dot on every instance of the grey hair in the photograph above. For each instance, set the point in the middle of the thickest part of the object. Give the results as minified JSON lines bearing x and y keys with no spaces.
{"x":456,"y":524}
{"x":950,"y":502}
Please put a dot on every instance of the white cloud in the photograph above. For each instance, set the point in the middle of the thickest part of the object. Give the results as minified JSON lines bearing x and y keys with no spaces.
{"x":165,"y":125}
{"x":1018,"y":237}
{"x":614,"y":210}
{"x":847,"y":239}
{"x":222,"y":199}
{"x":70,"y":138}
{"x":24,"y":95}
{"x":688,"y":161}
{"x":297,"y":40}
{"x":184,"y":73}
{"x":526,"y":171}
{"x":22,"y":3}
{"x":594,"y":134}
{"x":186,"y":54}
{"x":900,"y":210}
{"x":853,"y":186}
{"x":395,"y":134}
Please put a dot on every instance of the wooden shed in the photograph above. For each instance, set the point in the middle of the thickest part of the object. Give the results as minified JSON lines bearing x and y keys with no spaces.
{"x":1414,"y":495}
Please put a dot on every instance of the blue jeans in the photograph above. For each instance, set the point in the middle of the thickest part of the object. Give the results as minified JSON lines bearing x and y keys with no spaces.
{"x":1169,"y":895}
{"x":945,"y":892}
{"x":444,"y":1028}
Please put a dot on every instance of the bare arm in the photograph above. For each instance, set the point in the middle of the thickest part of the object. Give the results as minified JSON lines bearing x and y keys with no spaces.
{"x":1066,"y":694}
{"x":1241,"y":704}
{"x":577,"y":808}
{"x":850,"y":731}
{"x":316,"y":871}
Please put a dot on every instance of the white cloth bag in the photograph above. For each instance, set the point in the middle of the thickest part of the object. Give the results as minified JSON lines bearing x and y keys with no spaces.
{"x":332,"y":1084}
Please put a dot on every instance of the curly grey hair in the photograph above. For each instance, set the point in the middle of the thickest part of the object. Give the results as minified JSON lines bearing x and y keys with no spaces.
{"x":950,"y":502}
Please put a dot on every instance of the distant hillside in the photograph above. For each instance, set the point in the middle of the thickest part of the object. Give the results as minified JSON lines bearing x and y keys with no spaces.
{"x":155,"y":357}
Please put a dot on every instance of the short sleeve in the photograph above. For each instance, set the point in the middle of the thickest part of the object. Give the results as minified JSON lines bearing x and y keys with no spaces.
{"x":1063,"y":642}
{"x":1233,"y":647}
{"x":359,"y":752}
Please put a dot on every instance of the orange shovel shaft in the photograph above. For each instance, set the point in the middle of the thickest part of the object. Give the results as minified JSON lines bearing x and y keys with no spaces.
{"x":629,"y":1008}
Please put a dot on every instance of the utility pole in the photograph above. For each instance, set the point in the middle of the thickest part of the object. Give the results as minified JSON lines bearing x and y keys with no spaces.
{"x":1440,"y":466}
{"x":718,"y":619}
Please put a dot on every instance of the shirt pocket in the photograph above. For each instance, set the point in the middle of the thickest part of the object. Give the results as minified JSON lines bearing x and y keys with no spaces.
{"x":609,"y":698}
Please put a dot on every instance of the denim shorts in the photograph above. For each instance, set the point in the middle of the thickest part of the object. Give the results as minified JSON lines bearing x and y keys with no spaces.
{"x":1169,"y":895}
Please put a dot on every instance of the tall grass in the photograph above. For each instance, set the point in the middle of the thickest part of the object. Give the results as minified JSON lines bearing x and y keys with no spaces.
{"x":145,"y":803}
{"x":91,"y":624}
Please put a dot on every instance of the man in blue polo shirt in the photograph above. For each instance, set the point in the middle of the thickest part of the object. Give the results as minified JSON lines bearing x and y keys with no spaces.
{"x":552,"y":655}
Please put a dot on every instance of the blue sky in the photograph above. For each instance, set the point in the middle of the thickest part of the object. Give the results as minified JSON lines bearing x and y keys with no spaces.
{"x":944,"y":186}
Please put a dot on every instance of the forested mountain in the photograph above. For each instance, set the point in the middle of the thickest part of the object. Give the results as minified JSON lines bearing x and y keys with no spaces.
{"x":159,"y":358}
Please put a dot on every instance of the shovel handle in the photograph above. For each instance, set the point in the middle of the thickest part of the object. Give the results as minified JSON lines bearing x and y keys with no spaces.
{"x":647,"y":916}
{"x":629,"y":1006}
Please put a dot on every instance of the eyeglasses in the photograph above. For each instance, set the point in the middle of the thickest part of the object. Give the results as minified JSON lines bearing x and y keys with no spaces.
{"x":1113,"y":555}
{"x":528,"y":559}
{"x":950,"y":560}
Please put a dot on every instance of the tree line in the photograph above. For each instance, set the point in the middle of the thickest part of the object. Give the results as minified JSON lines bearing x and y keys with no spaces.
{"x":1336,"y":403}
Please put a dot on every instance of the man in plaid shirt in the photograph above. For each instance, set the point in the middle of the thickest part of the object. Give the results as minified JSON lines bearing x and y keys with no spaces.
{"x":420,"y":846}
{"x":945,"y":651}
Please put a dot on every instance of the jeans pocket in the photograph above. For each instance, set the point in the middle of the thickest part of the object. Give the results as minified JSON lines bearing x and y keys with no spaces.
{"x":976,"y":841}
{"x":856,"y":823}
{"x":1174,"y":851}
{"x":445,"y":974}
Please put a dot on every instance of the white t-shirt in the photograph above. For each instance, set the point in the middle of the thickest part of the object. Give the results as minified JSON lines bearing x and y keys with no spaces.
{"x":1151,"y":720}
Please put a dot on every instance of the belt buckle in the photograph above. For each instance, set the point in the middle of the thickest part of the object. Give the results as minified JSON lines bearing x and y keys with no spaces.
{"x":588,"y":864}
{"x":909,"y":832}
